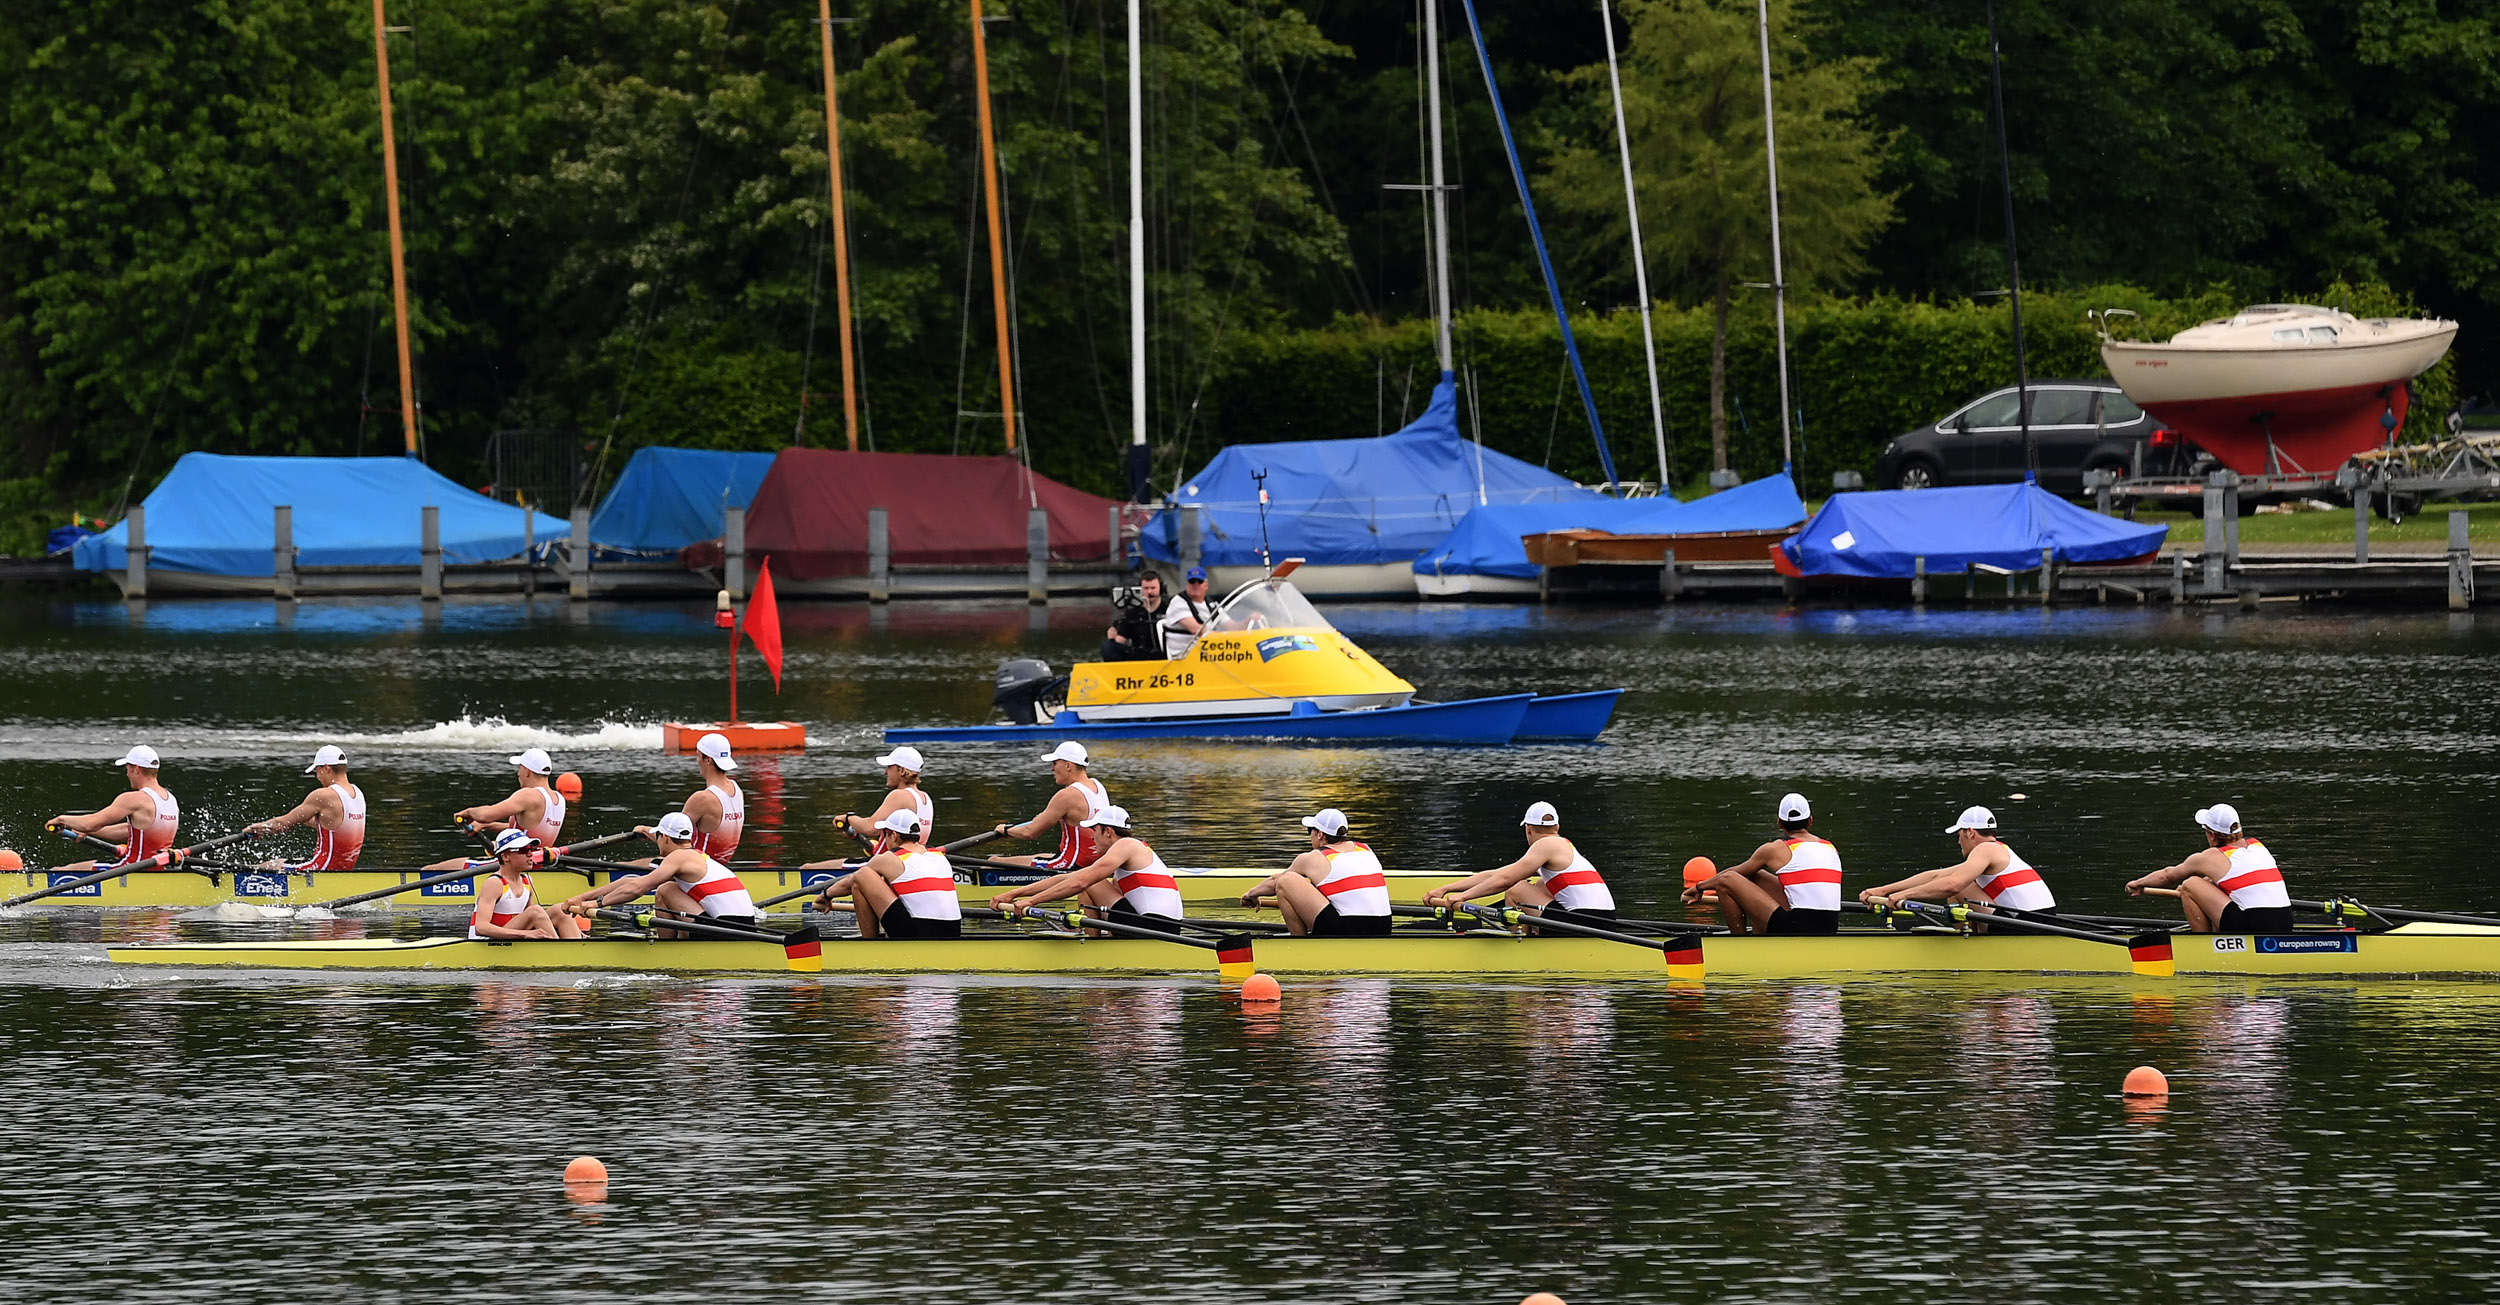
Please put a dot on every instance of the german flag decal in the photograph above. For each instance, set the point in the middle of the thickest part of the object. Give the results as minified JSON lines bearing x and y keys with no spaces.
{"x":1684,"y":957}
{"x":805,"y":950}
{"x":2150,"y":954}
{"x":1233,"y":960}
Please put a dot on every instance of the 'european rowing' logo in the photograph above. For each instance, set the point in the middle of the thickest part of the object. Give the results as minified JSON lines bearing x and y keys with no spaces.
{"x":2307,"y":943}
{"x":260,"y":884}
{"x":1271,"y":649}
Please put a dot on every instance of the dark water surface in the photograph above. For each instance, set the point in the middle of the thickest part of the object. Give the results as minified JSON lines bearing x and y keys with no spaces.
{"x":240,"y":1137}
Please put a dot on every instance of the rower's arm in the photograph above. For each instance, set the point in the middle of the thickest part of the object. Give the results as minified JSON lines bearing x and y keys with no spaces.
{"x":111,"y":822}
{"x":1050,"y":818}
{"x":2171,"y":876}
{"x":1067,"y":883}
{"x":1483,"y":883}
{"x":838,"y":863}
{"x":305,"y":813}
{"x":626,"y":890}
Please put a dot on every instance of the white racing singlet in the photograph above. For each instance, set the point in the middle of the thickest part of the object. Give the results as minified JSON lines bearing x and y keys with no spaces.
{"x":1812,"y":876}
{"x":551,"y":820}
{"x":159,"y":835}
{"x":1151,"y":891}
{"x":337,"y":849}
{"x":508,"y":906}
{"x":888,"y":840}
{"x":1577,"y":887}
{"x":719,"y":891}
{"x":722,"y":842}
{"x":2255,"y":882}
{"x":1076,"y":843}
{"x":926,"y":888}
{"x":2017,"y":886}
{"x":1355,"y":884}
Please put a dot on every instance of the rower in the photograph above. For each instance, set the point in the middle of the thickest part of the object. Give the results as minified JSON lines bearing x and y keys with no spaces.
{"x":1335,"y":890}
{"x":535,"y":806}
{"x":903,"y":793}
{"x":1129,"y":881}
{"x":904,"y":892}
{"x":335,"y":810}
{"x":1554,"y":878}
{"x":144,"y":820}
{"x":507,"y":903}
{"x":1080,"y":798}
{"x":682,"y":880}
{"x":1990,"y":874}
{"x":1790,"y":885}
{"x":718,"y":810}
{"x":2233,"y":886}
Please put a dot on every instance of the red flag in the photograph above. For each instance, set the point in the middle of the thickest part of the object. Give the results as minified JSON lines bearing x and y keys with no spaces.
{"x":763,"y":622}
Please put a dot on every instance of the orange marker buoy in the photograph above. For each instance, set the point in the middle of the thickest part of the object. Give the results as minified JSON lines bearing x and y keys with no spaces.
{"x":585,"y":1169}
{"x":1547,"y":1297}
{"x":1262,"y":988}
{"x":2145,"y":1081}
{"x":570,"y":785}
{"x":10,"y":860}
{"x":1698,"y":869}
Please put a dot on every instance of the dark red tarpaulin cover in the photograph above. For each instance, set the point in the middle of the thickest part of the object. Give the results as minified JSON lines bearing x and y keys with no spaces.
{"x":810,"y":516}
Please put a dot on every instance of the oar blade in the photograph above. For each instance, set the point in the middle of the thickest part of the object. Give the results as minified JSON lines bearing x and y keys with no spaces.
{"x":1684,"y":959}
{"x":805,"y":951}
{"x":1234,"y":961}
{"x":2149,"y":955}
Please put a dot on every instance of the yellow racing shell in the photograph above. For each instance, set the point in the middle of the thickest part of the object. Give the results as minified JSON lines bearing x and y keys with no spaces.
{"x":1267,"y":651}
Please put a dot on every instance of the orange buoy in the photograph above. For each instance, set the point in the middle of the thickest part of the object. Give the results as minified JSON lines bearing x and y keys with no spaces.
{"x":1262,"y":988}
{"x":10,"y":860}
{"x":585,"y":1169}
{"x":1546,"y":1297}
{"x":2145,"y":1081}
{"x":570,"y":785}
{"x":1698,"y":869}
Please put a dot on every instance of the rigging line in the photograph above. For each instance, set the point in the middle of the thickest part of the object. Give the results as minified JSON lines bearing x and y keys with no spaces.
{"x":807,"y":344}
{"x":190,"y":316}
{"x":963,"y":339}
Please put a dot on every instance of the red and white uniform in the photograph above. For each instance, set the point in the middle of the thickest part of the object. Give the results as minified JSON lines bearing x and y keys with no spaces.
{"x":1812,"y":876}
{"x":1151,"y":891}
{"x":2017,"y":887}
{"x":927,"y":811}
{"x":719,"y":891}
{"x":509,"y":904}
{"x":1576,"y":887}
{"x":926,"y":887}
{"x":2254,"y":881}
{"x":1354,"y":883}
{"x":337,"y":849}
{"x":551,"y":821}
{"x":722,"y":843}
{"x":1076,"y":843}
{"x":159,"y":835}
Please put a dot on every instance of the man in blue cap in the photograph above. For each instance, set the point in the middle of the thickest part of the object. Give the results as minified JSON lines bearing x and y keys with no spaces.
{"x":1189,"y":616}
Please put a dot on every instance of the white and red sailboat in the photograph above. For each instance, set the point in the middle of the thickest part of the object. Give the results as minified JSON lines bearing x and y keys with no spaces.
{"x":2281,"y":388}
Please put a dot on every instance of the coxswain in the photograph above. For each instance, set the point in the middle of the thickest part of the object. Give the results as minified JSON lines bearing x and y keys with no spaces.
{"x":1990,"y":875}
{"x":1080,"y":798}
{"x":1335,"y":890}
{"x":1128,"y":881}
{"x":1790,"y":885}
{"x":904,"y":892}
{"x":682,"y":880}
{"x":507,"y":903}
{"x":903,"y":793}
{"x":143,"y":820}
{"x":2233,"y":886}
{"x":1554,"y":878}
{"x":335,"y":810}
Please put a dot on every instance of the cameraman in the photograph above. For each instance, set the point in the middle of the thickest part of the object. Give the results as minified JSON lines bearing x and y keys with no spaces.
{"x":1132,"y":636}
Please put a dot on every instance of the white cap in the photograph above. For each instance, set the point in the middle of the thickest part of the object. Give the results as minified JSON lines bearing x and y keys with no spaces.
{"x":2221,"y":817}
{"x":1973,"y":818}
{"x":902,"y":820}
{"x":534,"y":760}
{"x":716,"y":746}
{"x":140,"y":755}
{"x":1330,"y":822}
{"x":1116,"y":817}
{"x":1071,"y":752}
{"x":906,"y":756}
{"x":514,"y":840}
{"x":328,"y":756}
{"x":675,"y":825}
{"x":1541,"y":814}
{"x":1795,"y":807}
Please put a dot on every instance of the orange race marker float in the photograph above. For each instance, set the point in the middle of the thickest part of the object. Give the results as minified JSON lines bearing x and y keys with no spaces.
{"x":761,"y":627}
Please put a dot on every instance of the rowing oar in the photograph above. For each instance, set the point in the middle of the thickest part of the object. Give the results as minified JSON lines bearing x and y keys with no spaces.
{"x":2148,"y":953}
{"x":469,"y":871}
{"x":2345,"y":908}
{"x":803,"y":947}
{"x":969,"y":840}
{"x":169,"y":858}
{"x":1233,"y":958}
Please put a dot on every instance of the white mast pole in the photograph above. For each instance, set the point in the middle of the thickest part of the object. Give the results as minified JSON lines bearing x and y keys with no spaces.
{"x":1779,"y":280}
{"x":1136,"y":252}
{"x":1440,"y":196}
{"x":1640,"y":262}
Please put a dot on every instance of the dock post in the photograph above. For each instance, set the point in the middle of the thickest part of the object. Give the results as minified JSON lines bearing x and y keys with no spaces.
{"x":2217,"y":569}
{"x":430,"y":554}
{"x":1119,"y":555}
{"x":577,"y":558}
{"x":1918,"y":580}
{"x":733,"y":561}
{"x":1670,"y":582}
{"x":2048,"y":575}
{"x":1189,"y":536}
{"x":2231,"y":518}
{"x":529,"y":551}
{"x":1037,"y":555}
{"x":2178,"y":577}
{"x":2460,"y":565}
{"x":135,"y":561}
{"x":880,"y":558}
{"x":282,"y":553}
{"x":1970,"y":582}
{"x":2361,"y":521}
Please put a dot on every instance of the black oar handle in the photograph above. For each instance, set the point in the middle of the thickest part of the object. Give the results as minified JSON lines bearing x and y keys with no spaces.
{"x":1512,"y":917}
{"x":698,"y":927}
{"x":1999,"y":919}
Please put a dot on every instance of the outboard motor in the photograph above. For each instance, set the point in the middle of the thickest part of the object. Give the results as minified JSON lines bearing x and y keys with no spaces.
{"x":1026,"y":690}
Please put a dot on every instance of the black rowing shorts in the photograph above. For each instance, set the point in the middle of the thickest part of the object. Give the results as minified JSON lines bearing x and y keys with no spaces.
{"x":1127,"y":914}
{"x":1793,"y":922}
{"x":2265,"y":919}
{"x":899,"y":923}
{"x":1329,"y":924}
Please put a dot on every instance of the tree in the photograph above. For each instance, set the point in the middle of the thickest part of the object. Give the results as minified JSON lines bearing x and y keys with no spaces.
{"x":1692,"y":101}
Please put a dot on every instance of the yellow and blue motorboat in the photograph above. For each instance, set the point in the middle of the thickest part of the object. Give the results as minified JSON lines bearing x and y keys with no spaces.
{"x":1268,"y":666}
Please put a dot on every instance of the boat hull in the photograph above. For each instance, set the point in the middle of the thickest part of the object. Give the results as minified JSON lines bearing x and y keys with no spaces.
{"x":1459,"y":584}
{"x":2263,"y":411}
{"x":1568,"y":717}
{"x":1474,"y":722}
{"x":1573,"y":547}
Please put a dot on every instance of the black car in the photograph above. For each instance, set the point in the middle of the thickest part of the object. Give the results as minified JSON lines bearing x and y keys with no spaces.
{"x":2076,"y":426}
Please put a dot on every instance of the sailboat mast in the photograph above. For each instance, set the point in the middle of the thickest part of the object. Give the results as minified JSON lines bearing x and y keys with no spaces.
{"x":1440,"y":195}
{"x":399,"y":256}
{"x":2013,"y":265}
{"x":1640,"y":262}
{"x":1137,"y":455}
{"x":1779,"y":279}
{"x":841,"y":229}
{"x":998,"y":244}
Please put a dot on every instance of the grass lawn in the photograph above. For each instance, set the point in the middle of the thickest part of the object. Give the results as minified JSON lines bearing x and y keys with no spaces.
{"x":2335,"y":528}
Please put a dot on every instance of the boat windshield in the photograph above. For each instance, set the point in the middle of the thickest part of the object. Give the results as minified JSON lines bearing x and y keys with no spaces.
{"x":1269,"y":605}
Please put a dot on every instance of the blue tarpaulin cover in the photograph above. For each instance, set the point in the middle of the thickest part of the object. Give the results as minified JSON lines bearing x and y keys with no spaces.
{"x":212,"y":514}
{"x":1353,"y":501}
{"x":668,"y":498}
{"x":1879,"y":534}
{"x":1486,"y":541}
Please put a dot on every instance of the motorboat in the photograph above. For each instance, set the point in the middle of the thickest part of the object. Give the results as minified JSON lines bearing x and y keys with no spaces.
{"x":2280,"y":388}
